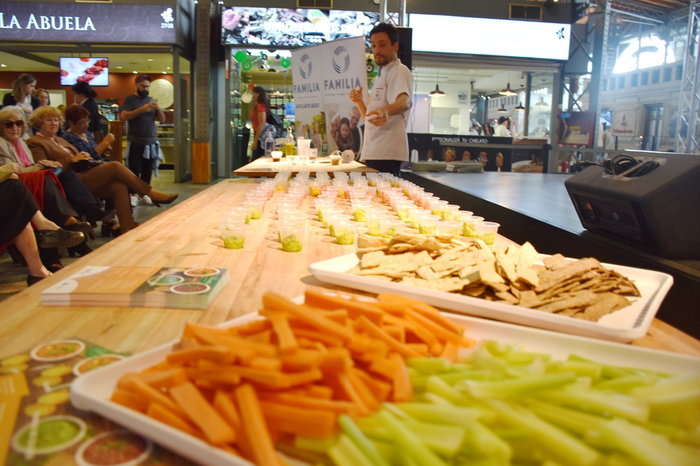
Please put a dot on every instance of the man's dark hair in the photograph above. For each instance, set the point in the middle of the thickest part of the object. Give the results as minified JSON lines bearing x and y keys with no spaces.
{"x":390,"y":30}
{"x":502,"y":119}
{"x":142,"y":77}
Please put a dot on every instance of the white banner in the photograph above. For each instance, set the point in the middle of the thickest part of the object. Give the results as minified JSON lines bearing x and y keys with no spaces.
{"x":323,"y":76}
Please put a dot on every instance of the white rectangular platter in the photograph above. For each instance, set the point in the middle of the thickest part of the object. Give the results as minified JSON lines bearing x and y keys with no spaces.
{"x":93,"y":390}
{"x":623,"y":325}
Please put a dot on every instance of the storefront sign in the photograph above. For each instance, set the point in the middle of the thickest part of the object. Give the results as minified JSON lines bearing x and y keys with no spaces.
{"x":323,"y":76}
{"x":87,"y":22}
{"x":624,"y":123}
{"x":494,"y":37}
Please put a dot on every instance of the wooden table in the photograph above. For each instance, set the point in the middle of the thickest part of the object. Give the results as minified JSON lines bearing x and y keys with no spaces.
{"x":264,"y":166}
{"x":186,"y":235}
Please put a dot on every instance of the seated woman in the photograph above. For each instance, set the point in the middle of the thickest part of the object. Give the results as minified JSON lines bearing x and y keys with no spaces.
{"x":16,"y":226}
{"x":48,"y":191}
{"x":343,"y":135}
{"x":78,"y":121}
{"x":104,"y":180}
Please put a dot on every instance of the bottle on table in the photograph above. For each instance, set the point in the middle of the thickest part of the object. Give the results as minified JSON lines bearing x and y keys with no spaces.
{"x":289,"y":143}
{"x":269,"y":145}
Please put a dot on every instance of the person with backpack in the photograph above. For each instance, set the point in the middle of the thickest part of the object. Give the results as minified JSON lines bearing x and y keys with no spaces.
{"x":260,"y":118}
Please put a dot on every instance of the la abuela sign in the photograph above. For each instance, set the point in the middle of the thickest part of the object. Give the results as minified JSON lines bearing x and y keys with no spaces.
{"x":82,"y":22}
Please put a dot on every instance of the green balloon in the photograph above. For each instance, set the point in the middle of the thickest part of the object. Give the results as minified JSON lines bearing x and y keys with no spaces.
{"x":240,"y":56}
{"x":285,"y":63}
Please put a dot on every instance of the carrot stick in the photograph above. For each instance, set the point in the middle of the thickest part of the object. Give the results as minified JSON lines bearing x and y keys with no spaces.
{"x":302,"y":359}
{"x":202,"y":414}
{"x":225,"y":406}
{"x":450,"y":351}
{"x":286,"y":340}
{"x":307,"y":402}
{"x":380,"y":389}
{"x":383,"y":366}
{"x":130,"y":400}
{"x":347,"y":388}
{"x":328,"y":340}
{"x":276,"y":302}
{"x":218,"y":376}
{"x":355,"y":308}
{"x":255,"y":428}
{"x":437,"y":330}
{"x":269,"y":364}
{"x":299,"y":421}
{"x":379,"y":333}
{"x":255,"y":326}
{"x":160,"y":413}
{"x":216,"y":353}
{"x":339,"y":316}
{"x":428,"y":311}
{"x":263,"y":338}
{"x":398,"y":332}
{"x":335,"y":359}
{"x":403,"y":389}
{"x":150,"y":393}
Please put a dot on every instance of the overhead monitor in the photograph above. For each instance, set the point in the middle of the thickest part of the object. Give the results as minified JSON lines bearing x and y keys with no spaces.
{"x":92,"y":70}
{"x":486,"y":36}
{"x":290,"y":28}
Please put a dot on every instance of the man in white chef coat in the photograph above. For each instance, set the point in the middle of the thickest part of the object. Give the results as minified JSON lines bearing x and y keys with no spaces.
{"x":385,"y":142}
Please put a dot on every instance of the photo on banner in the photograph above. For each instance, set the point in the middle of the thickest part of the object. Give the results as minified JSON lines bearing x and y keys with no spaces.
{"x":323,"y":76}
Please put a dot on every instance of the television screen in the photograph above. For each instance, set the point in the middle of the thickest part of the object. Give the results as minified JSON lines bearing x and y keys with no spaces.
{"x":290,"y":28}
{"x":92,"y":70}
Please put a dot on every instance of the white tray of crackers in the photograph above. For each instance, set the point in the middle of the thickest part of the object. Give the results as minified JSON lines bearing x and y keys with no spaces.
{"x":507,"y":282}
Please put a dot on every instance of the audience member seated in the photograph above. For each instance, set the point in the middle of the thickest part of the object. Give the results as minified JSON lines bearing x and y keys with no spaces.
{"x":103,"y":179}
{"x":78,"y":121}
{"x":16,"y":227}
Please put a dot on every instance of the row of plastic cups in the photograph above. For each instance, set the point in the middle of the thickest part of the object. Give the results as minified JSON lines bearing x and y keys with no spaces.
{"x":291,"y":234}
{"x":233,"y":233}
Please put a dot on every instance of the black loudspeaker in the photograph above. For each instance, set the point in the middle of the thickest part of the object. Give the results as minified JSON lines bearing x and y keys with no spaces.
{"x":406,"y":46}
{"x":658,"y":210}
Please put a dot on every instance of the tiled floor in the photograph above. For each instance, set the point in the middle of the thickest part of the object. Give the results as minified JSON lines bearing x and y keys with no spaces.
{"x":13,"y":276}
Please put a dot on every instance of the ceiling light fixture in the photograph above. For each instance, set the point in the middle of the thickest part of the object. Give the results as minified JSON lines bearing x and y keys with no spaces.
{"x":508,"y":91}
{"x":541,"y":102}
{"x":437,"y":92}
{"x":520,"y":107}
{"x":503,"y":109}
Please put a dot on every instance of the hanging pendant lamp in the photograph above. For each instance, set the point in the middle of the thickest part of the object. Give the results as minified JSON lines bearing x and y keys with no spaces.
{"x":520,"y":107}
{"x":437,"y":92}
{"x":508,"y":91}
{"x":503,"y":109}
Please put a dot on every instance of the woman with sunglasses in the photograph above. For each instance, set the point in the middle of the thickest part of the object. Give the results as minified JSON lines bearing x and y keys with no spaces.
{"x":103,"y":179}
{"x":49,"y":191}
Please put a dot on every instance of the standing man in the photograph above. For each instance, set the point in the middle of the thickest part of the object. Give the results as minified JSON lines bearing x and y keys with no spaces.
{"x":141,"y":111}
{"x":385,"y":142}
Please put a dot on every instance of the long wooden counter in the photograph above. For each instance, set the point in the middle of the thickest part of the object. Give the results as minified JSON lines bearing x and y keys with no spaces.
{"x":187,"y":235}
{"x":264,"y":166}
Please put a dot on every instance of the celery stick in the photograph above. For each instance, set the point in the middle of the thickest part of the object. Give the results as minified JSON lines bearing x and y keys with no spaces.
{"x":426,"y":366}
{"x":307,"y":456}
{"x":346,"y":453}
{"x":485,"y":442}
{"x":618,"y":371}
{"x":605,"y":403}
{"x":627,"y":383}
{"x":558,"y":442}
{"x":581,"y":368}
{"x":371,"y":427}
{"x":408,"y":441}
{"x":440,"y":387}
{"x":445,"y":440}
{"x":472,"y":374}
{"x":435,"y":399}
{"x":645,"y":447}
{"x":439,"y":414}
{"x":314,"y":444}
{"x":482,"y":357}
{"x":520,"y":386}
{"x":570,"y":419}
{"x":355,"y":434}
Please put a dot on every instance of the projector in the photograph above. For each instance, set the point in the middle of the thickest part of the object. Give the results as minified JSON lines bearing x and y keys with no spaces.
{"x":651,"y":199}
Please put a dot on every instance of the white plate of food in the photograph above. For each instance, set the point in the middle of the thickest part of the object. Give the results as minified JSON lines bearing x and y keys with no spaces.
{"x":93,"y":390}
{"x":625,"y":324}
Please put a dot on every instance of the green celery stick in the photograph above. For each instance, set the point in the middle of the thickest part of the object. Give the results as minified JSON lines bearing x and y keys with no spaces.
{"x":407,"y":441}
{"x":363,"y":443}
{"x":572,"y":420}
{"x":435,"y":399}
{"x":298,"y":453}
{"x":371,"y":427}
{"x":445,"y":440}
{"x":581,"y":368}
{"x":484,"y":442}
{"x":627,"y":383}
{"x":605,"y":403}
{"x":426,"y":366}
{"x":440,"y":387}
{"x":557,"y":441}
{"x":618,"y":371}
{"x":520,"y":386}
{"x":346,"y":453}
{"x":314,"y":444}
{"x":471,"y":374}
{"x":483,"y":358}
{"x":645,"y":447}
{"x":439,"y":414}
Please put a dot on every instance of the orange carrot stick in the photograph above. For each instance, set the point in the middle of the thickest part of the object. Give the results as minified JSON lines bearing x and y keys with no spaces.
{"x":355,"y":308}
{"x":299,"y":421}
{"x":276,"y":302}
{"x":286,"y":340}
{"x":130,"y":400}
{"x":201,"y":413}
{"x":308,"y":402}
{"x":379,"y":333}
{"x":438,"y":330}
{"x":403,"y":389}
{"x":216,"y":353}
{"x":225,"y":406}
{"x":150,"y":393}
{"x":160,"y":413}
{"x":255,"y":428}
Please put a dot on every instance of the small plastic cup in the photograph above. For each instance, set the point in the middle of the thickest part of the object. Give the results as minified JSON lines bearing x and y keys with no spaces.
{"x":335,"y":159}
{"x":449,"y":227}
{"x":291,"y":235}
{"x":234,"y":235}
{"x":487,"y":231}
{"x":276,"y":155}
{"x":345,"y":232}
{"x":427,"y":224}
{"x":469,"y":225}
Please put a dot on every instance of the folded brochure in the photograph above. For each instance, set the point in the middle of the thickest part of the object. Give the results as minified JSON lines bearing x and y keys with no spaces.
{"x":176,"y":287}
